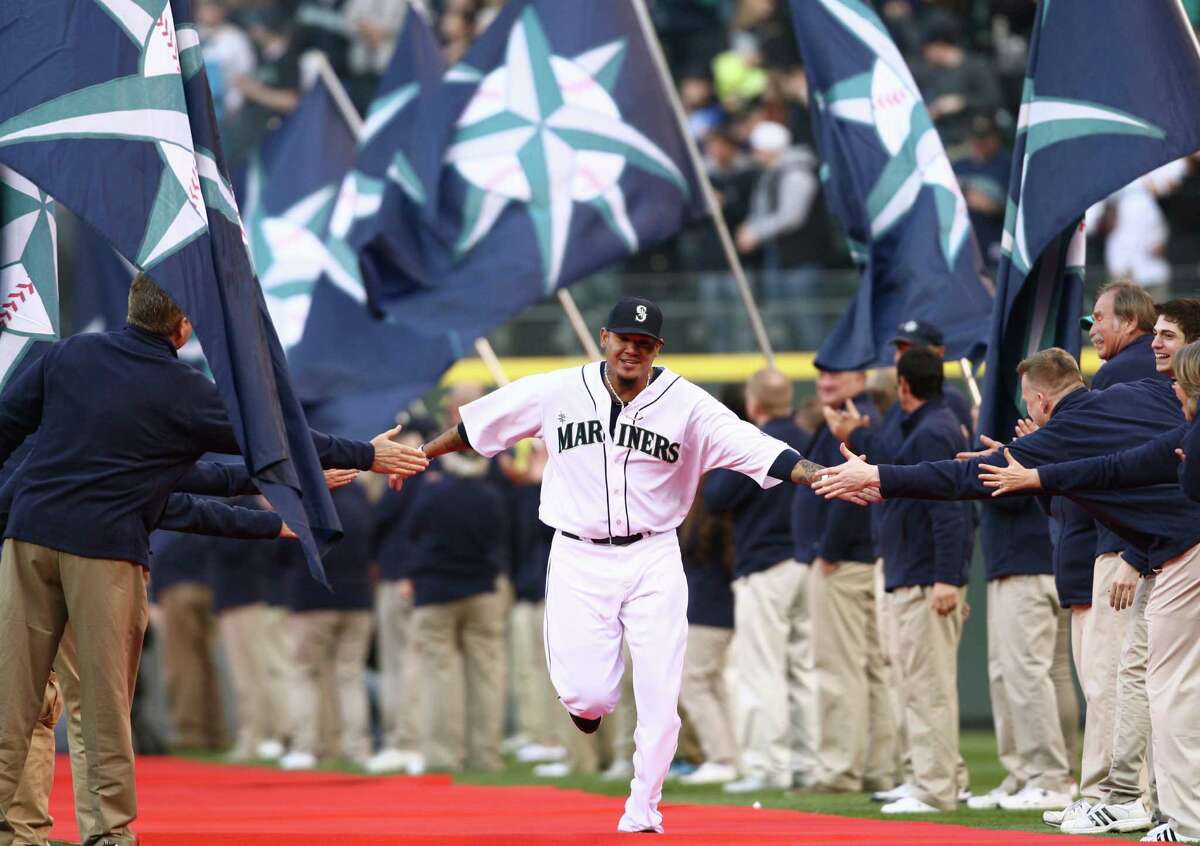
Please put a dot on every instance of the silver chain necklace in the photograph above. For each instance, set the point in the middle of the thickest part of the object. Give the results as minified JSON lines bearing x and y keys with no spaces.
{"x":613,"y":390}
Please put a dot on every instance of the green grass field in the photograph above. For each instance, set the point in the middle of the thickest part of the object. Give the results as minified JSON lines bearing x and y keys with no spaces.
{"x":978,"y":748}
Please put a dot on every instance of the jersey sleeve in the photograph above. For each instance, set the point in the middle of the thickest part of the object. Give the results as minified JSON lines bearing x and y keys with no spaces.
{"x":506,"y":415}
{"x":731,"y":443}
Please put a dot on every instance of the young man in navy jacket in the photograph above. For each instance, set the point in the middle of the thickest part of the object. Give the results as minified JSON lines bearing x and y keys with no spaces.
{"x":120,"y":420}
{"x":770,"y":599}
{"x":926,"y":552}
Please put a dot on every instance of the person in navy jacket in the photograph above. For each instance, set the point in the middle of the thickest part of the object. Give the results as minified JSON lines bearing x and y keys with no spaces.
{"x":770,"y":601}
{"x":119,"y":420}
{"x":926,"y":551}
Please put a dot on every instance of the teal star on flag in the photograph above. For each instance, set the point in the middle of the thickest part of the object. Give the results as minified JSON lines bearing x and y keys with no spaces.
{"x":544,"y":131}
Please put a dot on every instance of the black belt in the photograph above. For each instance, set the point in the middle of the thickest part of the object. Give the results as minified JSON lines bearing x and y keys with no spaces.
{"x":622,"y":541}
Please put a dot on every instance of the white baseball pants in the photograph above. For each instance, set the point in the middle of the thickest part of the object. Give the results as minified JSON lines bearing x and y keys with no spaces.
{"x":595,"y":594}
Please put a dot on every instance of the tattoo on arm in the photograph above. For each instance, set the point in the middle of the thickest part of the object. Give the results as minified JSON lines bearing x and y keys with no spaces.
{"x":448,"y":441}
{"x":805,"y":472}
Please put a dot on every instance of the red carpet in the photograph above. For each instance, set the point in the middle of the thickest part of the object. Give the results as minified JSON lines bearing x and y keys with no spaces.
{"x":184,"y":803}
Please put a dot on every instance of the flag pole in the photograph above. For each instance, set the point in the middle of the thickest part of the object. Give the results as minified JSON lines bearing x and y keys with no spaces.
{"x":710,"y":196}
{"x":490,"y":361}
{"x":973,"y":386}
{"x":575,"y":318}
{"x":336,"y":89}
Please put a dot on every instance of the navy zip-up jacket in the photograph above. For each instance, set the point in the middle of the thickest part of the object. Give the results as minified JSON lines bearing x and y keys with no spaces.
{"x":1189,"y":475}
{"x":120,"y":419}
{"x":926,"y":542}
{"x":1073,"y":542}
{"x":391,"y":542}
{"x":762,"y":528}
{"x":348,"y":564}
{"x":836,"y":531}
{"x":709,"y":575}
{"x":1132,"y":364}
{"x":1158,"y":520}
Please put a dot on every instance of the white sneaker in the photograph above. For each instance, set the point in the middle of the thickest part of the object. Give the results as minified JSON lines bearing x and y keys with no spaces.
{"x":553,"y":769}
{"x":511,"y":744}
{"x":900,"y":791}
{"x":1078,"y":808}
{"x":964,"y":793}
{"x":536,"y":753}
{"x":298,"y":761}
{"x":1165,"y":834}
{"x":1129,"y":816}
{"x":416,"y":763}
{"x":1035,"y":799}
{"x":749,"y":784}
{"x":390,"y":761}
{"x":618,"y":771}
{"x":909,"y":805}
{"x":710,"y":772}
{"x":987,"y":801}
{"x":270,"y":750}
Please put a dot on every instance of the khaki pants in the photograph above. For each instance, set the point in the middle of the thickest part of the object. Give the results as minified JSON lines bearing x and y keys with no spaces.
{"x":275,"y":648}
{"x":539,"y":716}
{"x":704,"y":696}
{"x":189,"y":633}
{"x":400,"y":676}
{"x":106,"y":603}
{"x":1023,"y":618}
{"x":339,"y":641}
{"x":900,"y":767}
{"x":1096,"y":637}
{"x":1127,"y":775}
{"x":29,"y":814}
{"x":772,"y":649}
{"x":471,"y":630}
{"x":239,"y":628}
{"x":857,"y":736}
{"x":927,"y":646}
{"x":1173,"y":687}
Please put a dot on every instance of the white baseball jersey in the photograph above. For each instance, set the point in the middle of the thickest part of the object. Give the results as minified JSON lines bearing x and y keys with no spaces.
{"x":642,"y":477}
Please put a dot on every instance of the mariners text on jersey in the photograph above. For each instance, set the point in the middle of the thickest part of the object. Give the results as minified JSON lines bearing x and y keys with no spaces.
{"x":639,"y":476}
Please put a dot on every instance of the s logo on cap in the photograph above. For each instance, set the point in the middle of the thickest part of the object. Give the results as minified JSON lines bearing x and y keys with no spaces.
{"x":641,"y":314}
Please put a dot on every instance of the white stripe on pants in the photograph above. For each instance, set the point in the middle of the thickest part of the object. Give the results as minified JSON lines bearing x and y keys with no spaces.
{"x":595,"y":594}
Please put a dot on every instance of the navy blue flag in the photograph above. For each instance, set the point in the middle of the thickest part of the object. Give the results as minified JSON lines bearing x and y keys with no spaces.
{"x":551,"y":151}
{"x":287,"y":193}
{"x":889,"y":182}
{"x":352,"y":371}
{"x":104,"y":105}
{"x":1112,"y":92}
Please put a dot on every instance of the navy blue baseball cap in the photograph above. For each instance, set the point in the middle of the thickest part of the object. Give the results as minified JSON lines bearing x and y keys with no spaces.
{"x":635,"y":316}
{"x":919,"y":333}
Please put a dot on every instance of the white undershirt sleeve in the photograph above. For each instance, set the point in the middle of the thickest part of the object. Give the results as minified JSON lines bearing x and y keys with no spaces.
{"x":506,"y":415}
{"x":731,"y":443}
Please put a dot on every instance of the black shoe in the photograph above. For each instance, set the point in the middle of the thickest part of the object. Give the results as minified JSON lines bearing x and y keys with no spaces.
{"x":585,"y":725}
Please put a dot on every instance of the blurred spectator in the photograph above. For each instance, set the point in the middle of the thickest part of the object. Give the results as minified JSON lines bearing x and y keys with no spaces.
{"x":271,"y":91}
{"x":322,"y":25}
{"x":461,"y":526}
{"x":372,"y":25}
{"x":1136,"y":230}
{"x":785,"y":222}
{"x":457,"y":29}
{"x":768,"y":23}
{"x":953,"y":81}
{"x":725,"y":325}
{"x":983,"y":174}
{"x":900,"y":18}
{"x":331,"y":639}
{"x":738,"y":74}
{"x":703,"y":112}
{"x":692,"y":31}
{"x":228,"y":55}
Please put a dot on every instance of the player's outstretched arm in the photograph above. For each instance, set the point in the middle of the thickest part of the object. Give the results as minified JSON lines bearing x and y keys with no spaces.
{"x":450,"y":440}
{"x":810,"y":473}
{"x":854,"y":479}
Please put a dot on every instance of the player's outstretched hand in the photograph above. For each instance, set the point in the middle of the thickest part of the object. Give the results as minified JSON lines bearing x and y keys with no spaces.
{"x":335,"y":479}
{"x":286,"y":532}
{"x":848,"y":481}
{"x":1025,"y":426}
{"x":1012,"y":477}
{"x":397,"y":459}
{"x":990,"y":445}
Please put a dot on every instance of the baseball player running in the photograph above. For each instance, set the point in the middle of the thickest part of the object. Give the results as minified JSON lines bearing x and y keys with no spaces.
{"x":628,"y":443}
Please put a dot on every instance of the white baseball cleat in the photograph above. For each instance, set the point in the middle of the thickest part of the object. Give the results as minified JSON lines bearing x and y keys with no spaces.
{"x":1129,"y":816}
{"x":909,"y":805}
{"x":1166,"y":834}
{"x":1078,"y":808}
{"x":711,"y":772}
{"x":1035,"y":799}
{"x":987,"y":801}
{"x":298,"y":761}
{"x":898,"y":792}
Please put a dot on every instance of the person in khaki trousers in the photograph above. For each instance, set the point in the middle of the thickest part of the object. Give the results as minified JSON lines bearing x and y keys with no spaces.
{"x":771,"y":647}
{"x":926,"y":550}
{"x":460,"y":523}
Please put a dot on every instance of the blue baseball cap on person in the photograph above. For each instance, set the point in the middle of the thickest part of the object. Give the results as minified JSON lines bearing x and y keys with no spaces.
{"x":636,"y":316}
